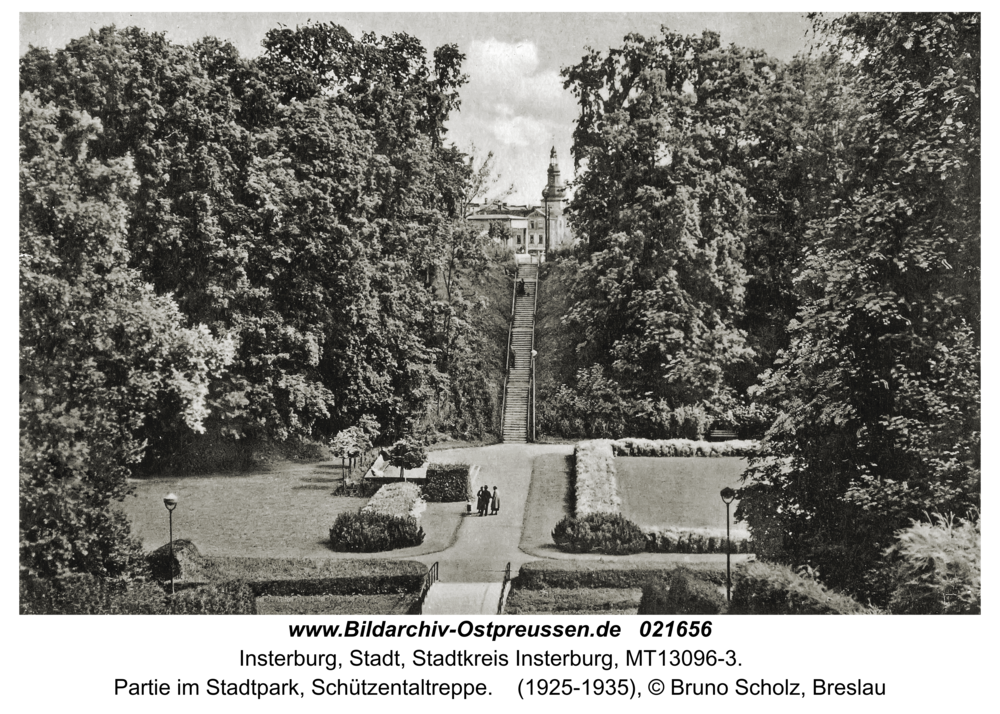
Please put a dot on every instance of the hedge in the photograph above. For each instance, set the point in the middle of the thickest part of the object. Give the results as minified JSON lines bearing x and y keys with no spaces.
{"x":610,"y":533}
{"x":695,"y":540}
{"x":90,"y":595}
{"x":684,"y":592}
{"x":394,"y":604}
{"x":370,"y":531}
{"x":761,"y":588}
{"x":304,"y":576}
{"x":567,"y":574}
{"x":447,"y":483}
{"x":594,"y":483}
{"x":576,"y":600}
{"x":683,"y":447}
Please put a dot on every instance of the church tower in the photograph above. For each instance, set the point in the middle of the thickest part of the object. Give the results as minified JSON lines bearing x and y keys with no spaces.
{"x":553,"y":196}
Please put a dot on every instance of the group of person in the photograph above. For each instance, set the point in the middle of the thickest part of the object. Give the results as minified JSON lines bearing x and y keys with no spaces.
{"x":486,"y":502}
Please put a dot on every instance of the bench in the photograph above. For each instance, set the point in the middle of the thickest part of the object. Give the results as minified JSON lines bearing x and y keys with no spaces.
{"x":721,"y":435}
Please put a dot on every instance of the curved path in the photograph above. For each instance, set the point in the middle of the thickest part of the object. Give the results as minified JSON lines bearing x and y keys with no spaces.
{"x":485,"y":545}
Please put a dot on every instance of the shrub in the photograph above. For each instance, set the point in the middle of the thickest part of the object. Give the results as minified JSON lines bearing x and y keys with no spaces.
{"x":86,"y":594}
{"x":447,"y":483}
{"x":939,"y":568}
{"x":570,"y":574}
{"x":400,"y":498}
{"x":576,"y":600}
{"x":682,"y":447}
{"x":229,"y":598}
{"x":686,"y":592}
{"x":185,"y":557}
{"x":609,"y":533}
{"x":370,"y":532}
{"x":595,"y":485}
{"x":761,"y":588}
{"x":695,"y":540}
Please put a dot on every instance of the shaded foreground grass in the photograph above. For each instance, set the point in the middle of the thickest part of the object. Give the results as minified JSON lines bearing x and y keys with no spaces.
{"x":677,"y":491}
{"x":286,"y":513}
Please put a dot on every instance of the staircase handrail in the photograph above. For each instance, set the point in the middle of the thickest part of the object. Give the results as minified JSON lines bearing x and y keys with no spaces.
{"x":430,"y":577}
{"x":506,"y":366}
{"x":534,"y":310}
{"x":503,"y":588}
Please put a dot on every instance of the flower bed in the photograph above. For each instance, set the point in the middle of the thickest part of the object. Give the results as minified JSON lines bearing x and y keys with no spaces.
{"x":683,"y":447}
{"x":595,"y":485}
{"x":401,"y":498}
{"x":669,"y":539}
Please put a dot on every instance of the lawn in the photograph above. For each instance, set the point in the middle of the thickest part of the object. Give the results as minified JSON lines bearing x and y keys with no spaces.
{"x":677,"y":491}
{"x":549,"y":499}
{"x":283,"y":513}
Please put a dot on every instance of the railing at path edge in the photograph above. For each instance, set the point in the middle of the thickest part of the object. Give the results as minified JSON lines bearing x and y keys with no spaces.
{"x":429,"y":579}
{"x":503,"y":588}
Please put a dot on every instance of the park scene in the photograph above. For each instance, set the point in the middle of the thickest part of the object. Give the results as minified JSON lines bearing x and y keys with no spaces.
{"x":312,"y":321}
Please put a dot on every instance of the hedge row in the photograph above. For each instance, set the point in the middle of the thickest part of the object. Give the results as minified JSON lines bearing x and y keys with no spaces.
{"x":85,"y":594}
{"x":683,"y":447}
{"x":683,"y":592}
{"x":399,"y":499}
{"x":695,"y":540}
{"x":304,"y":576}
{"x":576,"y":601}
{"x":447,"y":483}
{"x":567,"y":574}
{"x":595,"y":484}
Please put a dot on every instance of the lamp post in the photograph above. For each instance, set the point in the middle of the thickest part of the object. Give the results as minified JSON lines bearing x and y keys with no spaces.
{"x":728,"y":495}
{"x":170,"y":501}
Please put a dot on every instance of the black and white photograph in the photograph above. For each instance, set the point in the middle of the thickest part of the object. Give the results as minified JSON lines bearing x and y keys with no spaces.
{"x":667,"y":315}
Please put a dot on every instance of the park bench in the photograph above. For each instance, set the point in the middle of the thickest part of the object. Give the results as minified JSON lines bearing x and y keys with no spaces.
{"x":721,"y":435}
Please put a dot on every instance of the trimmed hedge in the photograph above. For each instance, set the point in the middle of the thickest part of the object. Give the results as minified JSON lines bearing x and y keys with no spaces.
{"x":685,"y":592}
{"x":303,"y":576}
{"x":610,"y":533}
{"x":396,"y":604}
{"x":761,"y":588}
{"x":695,"y":540}
{"x":372,"y":532}
{"x":576,"y":600}
{"x":447,"y":483}
{"x":86,"y":594}
{"x":229,"y":598}
{"x":567,"y":574}
{"x":683,"y":447}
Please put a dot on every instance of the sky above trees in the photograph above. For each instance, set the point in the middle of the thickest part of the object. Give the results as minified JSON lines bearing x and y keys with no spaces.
{"x":514,"y":103}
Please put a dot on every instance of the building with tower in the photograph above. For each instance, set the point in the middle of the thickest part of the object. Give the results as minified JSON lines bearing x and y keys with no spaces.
{"x":532,"y":229}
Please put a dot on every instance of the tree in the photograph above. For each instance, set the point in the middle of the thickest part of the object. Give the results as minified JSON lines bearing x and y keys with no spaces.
{"x":663,"y":208}
{"x":879,"y":390}
{"x":406,"y":454}
{"x":100,"y":352}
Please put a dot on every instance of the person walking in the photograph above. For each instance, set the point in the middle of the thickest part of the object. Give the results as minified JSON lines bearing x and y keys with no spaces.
{"x":495,"y":502}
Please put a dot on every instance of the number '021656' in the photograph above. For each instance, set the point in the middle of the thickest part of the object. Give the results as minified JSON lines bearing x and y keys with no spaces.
{"x":684,"y":628}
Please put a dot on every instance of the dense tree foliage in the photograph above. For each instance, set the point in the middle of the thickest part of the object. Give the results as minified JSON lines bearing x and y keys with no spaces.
{"x":879,"y":388}
{"x":295,"y":219}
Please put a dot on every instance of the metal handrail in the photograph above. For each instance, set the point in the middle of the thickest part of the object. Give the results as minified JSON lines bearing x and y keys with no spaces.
{"x":506,"y":366}
{"x":534,"y":310}
{"x":430,"y":578}
{"x":503,"y":588}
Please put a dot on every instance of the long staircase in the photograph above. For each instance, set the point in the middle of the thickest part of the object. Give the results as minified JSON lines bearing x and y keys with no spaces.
{"x":518,"y":396}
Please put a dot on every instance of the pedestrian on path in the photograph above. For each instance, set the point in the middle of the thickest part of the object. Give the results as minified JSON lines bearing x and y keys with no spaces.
{"x":495,"y":503}
{"x":483,"y":503}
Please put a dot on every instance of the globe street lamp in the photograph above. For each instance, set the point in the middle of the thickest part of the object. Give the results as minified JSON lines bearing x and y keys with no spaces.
{"x":728,"y":495}
{"x":170,"y":501}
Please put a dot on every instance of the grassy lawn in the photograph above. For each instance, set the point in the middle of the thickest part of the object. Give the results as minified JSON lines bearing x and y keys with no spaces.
{"x":287,"y":513}
{"x":549,"y":499}
{"x":336,"y":604}
{"x":676,"y":491}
